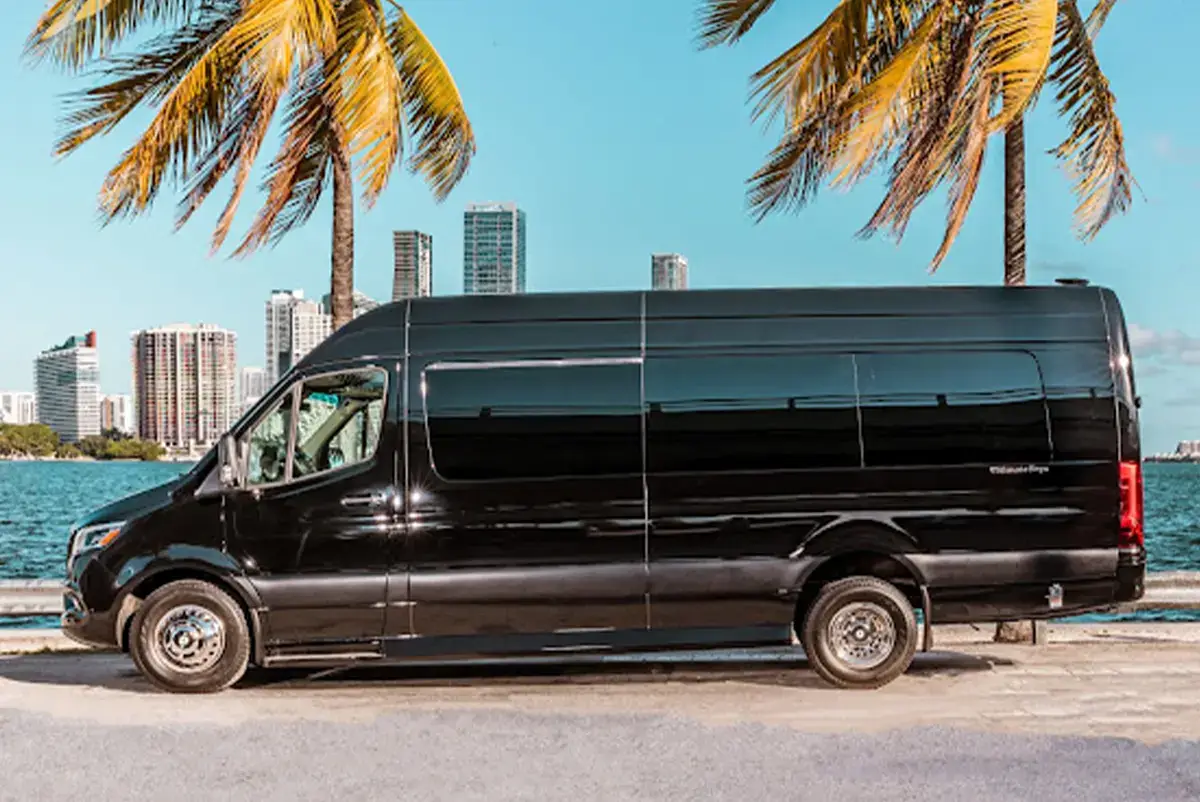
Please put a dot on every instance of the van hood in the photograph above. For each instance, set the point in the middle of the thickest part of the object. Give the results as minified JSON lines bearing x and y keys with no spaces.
{"x":134,"y":506}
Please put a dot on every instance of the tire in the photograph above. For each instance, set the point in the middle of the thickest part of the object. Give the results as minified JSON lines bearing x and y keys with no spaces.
{"x":189,"y":664}
{"x":856,"y":659}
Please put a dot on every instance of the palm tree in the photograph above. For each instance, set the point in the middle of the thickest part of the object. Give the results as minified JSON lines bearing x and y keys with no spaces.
{"x":353,"y":78}
{"x":922,"y":84}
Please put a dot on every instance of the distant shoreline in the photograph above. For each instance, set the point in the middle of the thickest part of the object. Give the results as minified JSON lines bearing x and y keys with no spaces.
{"x":10,"y":458}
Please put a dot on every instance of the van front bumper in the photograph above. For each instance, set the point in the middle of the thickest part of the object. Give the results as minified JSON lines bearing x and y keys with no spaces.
{"x":91,"y":624}
{"x":90,"y":628}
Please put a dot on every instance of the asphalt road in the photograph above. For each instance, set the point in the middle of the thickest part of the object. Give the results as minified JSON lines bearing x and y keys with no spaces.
{"x":1081,"y":722}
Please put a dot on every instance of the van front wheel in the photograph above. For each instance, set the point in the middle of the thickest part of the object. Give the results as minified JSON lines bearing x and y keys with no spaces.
{"x":190,"y":637}
{"x":860,"y":632}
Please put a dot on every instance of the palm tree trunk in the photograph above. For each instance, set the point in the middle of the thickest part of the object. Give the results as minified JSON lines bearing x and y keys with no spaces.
{"x":1014,"y":275}
{"x":1014,"y":203}
{"x":341,"y":278}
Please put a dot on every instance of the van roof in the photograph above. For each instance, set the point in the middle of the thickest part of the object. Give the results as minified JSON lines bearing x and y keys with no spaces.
{"x":367,"y":333}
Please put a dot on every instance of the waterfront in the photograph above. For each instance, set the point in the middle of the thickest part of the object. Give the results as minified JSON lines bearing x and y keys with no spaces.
{"x":39,"y":500}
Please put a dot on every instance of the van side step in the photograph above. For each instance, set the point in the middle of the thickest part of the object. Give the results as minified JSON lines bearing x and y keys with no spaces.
{"x":313,"y":653}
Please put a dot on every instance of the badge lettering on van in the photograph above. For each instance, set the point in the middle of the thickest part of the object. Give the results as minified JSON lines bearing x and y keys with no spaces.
{"x":1018,"y":470}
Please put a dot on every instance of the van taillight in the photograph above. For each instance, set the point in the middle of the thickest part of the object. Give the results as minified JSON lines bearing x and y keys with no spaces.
{"x":1133,"y":534}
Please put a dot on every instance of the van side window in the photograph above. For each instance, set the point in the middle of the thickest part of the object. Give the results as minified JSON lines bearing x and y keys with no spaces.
{"x":750,"y":413}
{"x":952,"y":408}
{"x":339,"y":422}
{"x":268,"y":443}
{"x":1079,"y":392}
{"x":534,"y":421}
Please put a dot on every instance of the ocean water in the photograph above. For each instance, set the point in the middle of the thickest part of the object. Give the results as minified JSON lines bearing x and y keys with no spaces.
{"x":40,"y":500}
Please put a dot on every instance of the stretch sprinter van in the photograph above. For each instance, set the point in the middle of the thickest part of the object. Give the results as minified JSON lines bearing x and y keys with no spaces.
{"x":610,"y":472}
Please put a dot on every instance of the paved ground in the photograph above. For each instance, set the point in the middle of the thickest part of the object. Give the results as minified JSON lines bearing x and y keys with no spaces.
{"x":1093,"y":716}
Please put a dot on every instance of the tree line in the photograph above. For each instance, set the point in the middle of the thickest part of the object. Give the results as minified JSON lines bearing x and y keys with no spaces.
{"x":39,"y":440}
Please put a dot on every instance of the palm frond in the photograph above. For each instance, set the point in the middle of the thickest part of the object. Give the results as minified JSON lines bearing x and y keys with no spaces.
{"x":186,"y":123}
{"x":919,"y":165}
{"x":299,"y":172}
{"x":142,"y":78}
{"x":967,"y":160}
{"x":1018,"y":37}
{"x":882,"y":110}
{"x":807,"y":150}
{"x":268,"y":40}
{"x":829,"y":55}
{"x":436,"y":117}
{"x":253,"y":122}
{"x":727,"y":21}
{"x":282,"y":36}
{"x":366,"y":93}
{"x":1094,"y":149}
{"x":71,"y":33}
{"x":1098,"y":16}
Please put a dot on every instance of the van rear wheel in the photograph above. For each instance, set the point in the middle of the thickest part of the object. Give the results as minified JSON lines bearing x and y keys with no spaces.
{"x":190,"y":636}
{"x":860,"y":632}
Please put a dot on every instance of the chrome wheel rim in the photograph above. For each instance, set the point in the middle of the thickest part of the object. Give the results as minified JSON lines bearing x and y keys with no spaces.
{"x":862,"y":635}
{"x":189,"y":638}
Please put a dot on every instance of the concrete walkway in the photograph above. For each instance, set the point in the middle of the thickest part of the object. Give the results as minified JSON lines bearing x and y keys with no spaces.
{"x":1133,"y":681}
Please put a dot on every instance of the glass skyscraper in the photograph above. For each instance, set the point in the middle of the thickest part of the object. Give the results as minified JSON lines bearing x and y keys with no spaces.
{"x":493,"y":249}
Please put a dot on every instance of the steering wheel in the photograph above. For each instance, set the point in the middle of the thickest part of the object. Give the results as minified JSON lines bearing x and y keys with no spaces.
{"x":304,"y":462}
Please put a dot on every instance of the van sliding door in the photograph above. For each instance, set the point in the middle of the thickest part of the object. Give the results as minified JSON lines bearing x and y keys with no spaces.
{"x":528,"y":511}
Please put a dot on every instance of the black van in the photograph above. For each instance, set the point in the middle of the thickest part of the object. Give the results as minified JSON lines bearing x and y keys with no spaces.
{"x":603,"y":472}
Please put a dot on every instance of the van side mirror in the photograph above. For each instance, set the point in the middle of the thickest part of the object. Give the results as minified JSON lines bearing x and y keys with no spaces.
{"x":228,"y":464}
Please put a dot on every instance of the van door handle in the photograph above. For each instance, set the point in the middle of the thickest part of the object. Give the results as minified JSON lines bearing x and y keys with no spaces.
{"x":366,"y":500}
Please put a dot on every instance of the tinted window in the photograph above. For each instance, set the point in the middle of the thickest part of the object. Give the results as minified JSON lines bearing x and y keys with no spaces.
{"x":750,"y":413}
{"x":340,"y":419}
{"x":339,"y":422}
{"x":534,"y":422}
{"x":952,"y":408}
{"x":1079,"y":392}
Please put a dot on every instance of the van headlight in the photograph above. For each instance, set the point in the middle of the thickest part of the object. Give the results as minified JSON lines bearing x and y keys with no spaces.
{"x":96,"y":536}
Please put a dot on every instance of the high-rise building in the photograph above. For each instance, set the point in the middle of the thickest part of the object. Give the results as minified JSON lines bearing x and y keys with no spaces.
{"x":18,"y":408}
{"x":360,"y":302}
{"x":493,"y":249}
{"x":183,"y":380}
{"x":668,"y":271}
{"x":295,"y":326}
{"x":67,"y":382}
{"x":116,"y":412}
{"x":412,"y":258}
{"x":252,"y":385}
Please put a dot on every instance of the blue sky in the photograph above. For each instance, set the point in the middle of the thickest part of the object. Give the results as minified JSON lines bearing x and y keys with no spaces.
{"x":619,"y":138}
